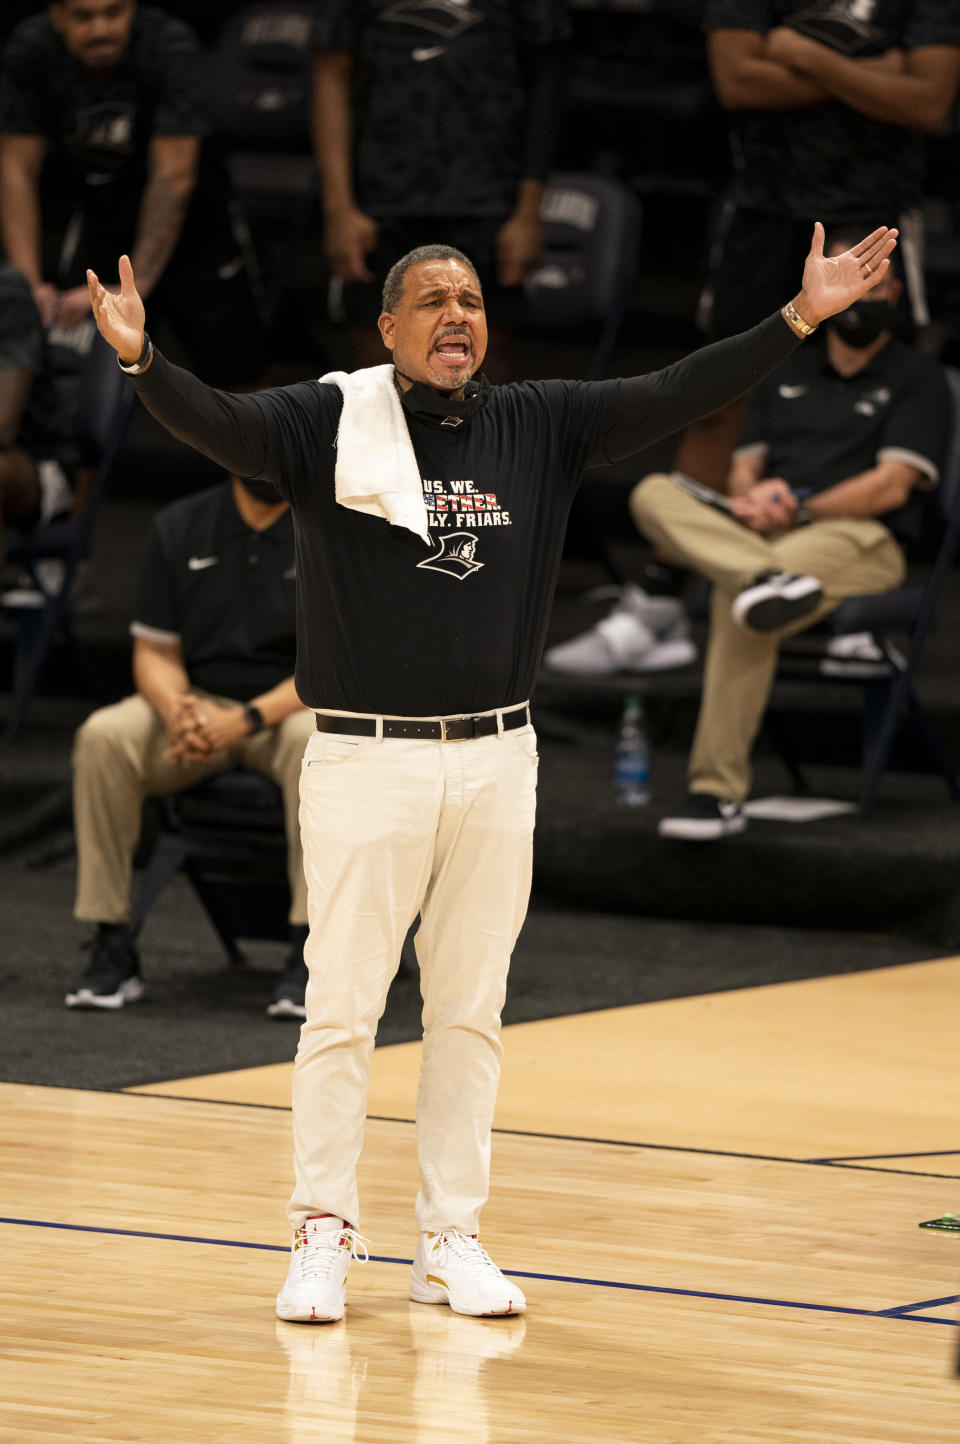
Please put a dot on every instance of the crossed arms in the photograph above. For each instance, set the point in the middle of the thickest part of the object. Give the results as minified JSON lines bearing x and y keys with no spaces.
{"x":784,"y":70}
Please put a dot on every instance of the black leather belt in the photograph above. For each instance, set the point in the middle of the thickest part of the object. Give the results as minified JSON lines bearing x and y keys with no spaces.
{"x":453,"y":729}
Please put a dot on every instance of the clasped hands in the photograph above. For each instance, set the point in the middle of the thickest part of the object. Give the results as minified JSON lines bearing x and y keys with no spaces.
{"x":198,"y":728}
{"x":766,"y":507}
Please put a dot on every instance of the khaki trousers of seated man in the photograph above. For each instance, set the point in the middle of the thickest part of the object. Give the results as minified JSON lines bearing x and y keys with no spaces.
{"x":849,"y":556}
{"x":118,"y":762}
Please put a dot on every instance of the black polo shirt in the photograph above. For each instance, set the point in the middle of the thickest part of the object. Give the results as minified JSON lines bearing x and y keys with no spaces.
{"x":226,"y":593}
{"x":819,"y":428}
{"x":831,"y":161}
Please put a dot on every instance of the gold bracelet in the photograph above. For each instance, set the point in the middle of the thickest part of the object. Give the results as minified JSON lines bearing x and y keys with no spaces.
{"x":792,"y":315}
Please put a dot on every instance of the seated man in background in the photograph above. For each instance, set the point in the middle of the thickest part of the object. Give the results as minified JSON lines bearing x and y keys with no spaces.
{"x":213,"y":656}
{"x":38,"y":460}
{"x":838,"y":436}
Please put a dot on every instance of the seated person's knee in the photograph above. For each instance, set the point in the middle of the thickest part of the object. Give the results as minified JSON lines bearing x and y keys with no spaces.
{"x":645,"y":494}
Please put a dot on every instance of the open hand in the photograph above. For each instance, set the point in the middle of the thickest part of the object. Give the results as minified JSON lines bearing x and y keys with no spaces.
{"x":832,"y":283}
{"x":120,"y":317}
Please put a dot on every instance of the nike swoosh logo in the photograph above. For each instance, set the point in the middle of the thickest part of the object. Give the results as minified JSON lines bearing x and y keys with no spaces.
{"x":199,"y":564}
{"x":231,"y":269}
{"x":791,"y":392}
{"x":427,"y":52}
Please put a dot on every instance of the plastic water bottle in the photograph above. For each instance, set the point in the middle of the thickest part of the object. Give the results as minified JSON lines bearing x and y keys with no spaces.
{"x":632,"y":772}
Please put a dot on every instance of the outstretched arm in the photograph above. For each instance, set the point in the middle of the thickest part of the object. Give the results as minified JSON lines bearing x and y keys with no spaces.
{"x":226,"y":427}
{"x":653,"y":406}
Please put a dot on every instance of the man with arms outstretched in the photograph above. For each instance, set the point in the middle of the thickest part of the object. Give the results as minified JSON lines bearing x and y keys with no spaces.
{"x":418,"y":787}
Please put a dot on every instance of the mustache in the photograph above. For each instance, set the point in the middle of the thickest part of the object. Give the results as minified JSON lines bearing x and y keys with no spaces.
{"x":454,"y":331}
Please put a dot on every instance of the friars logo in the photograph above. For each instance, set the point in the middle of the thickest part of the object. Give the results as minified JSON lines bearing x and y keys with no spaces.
{"x":848,"y":26}
{"x":445,"y":18}
{"x":455,"y":557}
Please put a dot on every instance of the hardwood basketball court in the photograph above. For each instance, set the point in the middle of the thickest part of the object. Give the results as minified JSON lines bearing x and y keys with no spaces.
{"x":712,"y":1204}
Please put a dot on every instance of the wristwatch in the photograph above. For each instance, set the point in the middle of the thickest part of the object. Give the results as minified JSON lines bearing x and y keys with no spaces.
{"x":253,"y":717}
{"x":803,"y":516}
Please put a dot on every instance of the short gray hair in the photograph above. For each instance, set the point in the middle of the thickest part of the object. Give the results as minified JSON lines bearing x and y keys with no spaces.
{"x":393,"y":285}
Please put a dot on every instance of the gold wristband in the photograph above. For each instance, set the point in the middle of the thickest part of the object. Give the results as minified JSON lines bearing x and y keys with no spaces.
{"x":792,"y":315}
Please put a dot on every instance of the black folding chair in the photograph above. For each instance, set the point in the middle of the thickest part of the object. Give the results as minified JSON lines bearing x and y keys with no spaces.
{"x":96,"y":401}
{"x":583,"y":288}
{"x":259,"y":95}
{"x":584,"y":282}
{"x":227,"y":835}
{"x":890,"y":698}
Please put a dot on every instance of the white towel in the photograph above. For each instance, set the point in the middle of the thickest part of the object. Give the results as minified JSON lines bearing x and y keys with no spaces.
{"x":376,"y":470}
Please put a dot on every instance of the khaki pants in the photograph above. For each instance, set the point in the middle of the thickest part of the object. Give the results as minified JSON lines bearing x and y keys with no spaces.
{"x":117,"y":762}
{"x":849,"y":556}
{"x":390,"y":829}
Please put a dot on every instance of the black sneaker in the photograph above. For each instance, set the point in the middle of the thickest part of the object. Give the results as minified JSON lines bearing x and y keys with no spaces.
{"x":775,"y":599}
{"x":703,"y":818}
{"x":289,"y":996}
{"x":112,"y":976}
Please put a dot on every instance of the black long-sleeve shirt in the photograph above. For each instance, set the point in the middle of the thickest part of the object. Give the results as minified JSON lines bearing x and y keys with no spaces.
{"x":388,"y":625}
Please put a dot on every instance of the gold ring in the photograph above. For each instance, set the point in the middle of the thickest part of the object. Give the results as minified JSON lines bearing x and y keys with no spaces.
{"x":868,"y":268}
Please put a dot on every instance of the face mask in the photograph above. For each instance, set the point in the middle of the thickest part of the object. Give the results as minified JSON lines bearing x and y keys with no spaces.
{"x":264,"y":491}
{"x":428,"y":405}
{"x":861,"y":324}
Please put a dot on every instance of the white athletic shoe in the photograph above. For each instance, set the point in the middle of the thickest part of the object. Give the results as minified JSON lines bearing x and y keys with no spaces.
{"x":775,"y":599}
{"x":703,"y":818}
{"x":452,"y":1268}
{"x":856,"y":654}
{"x":315,"y":1291}
{"x":641,"y":634}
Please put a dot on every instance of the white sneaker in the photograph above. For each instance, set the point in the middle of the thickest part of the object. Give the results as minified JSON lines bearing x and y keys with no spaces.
{"x":774,"y":600}
{"x":316,"y":1288}
{"x":452,"y":1268}
{"x":856,"y":654}
{"x":703,"y":818}
{"x":641,"y":634}
{"x":24,"y":593}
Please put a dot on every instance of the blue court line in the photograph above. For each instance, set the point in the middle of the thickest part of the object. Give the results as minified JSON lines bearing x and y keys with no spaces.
{"x":923,"y":1304}
{"x":865,"y":1157}
{"x":552,"y":1137}
{"x":899,"y":1313}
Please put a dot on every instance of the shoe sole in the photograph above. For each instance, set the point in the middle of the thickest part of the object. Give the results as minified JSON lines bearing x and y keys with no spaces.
{"x":696,"y":830}
{"x":129,"y":992}
{"x":661,"y":658}
{"x":665,"y":657}
{"x":438,"y":1294}
{"x":833,"y":667}
{"x":768,"y":611}
{"x":284,"y":1008}
{"x":295,"y":1317}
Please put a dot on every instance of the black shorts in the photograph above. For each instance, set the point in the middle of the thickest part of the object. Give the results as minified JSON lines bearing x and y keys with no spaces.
{"x":756,"y":265}
{"x":475,"y":236}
